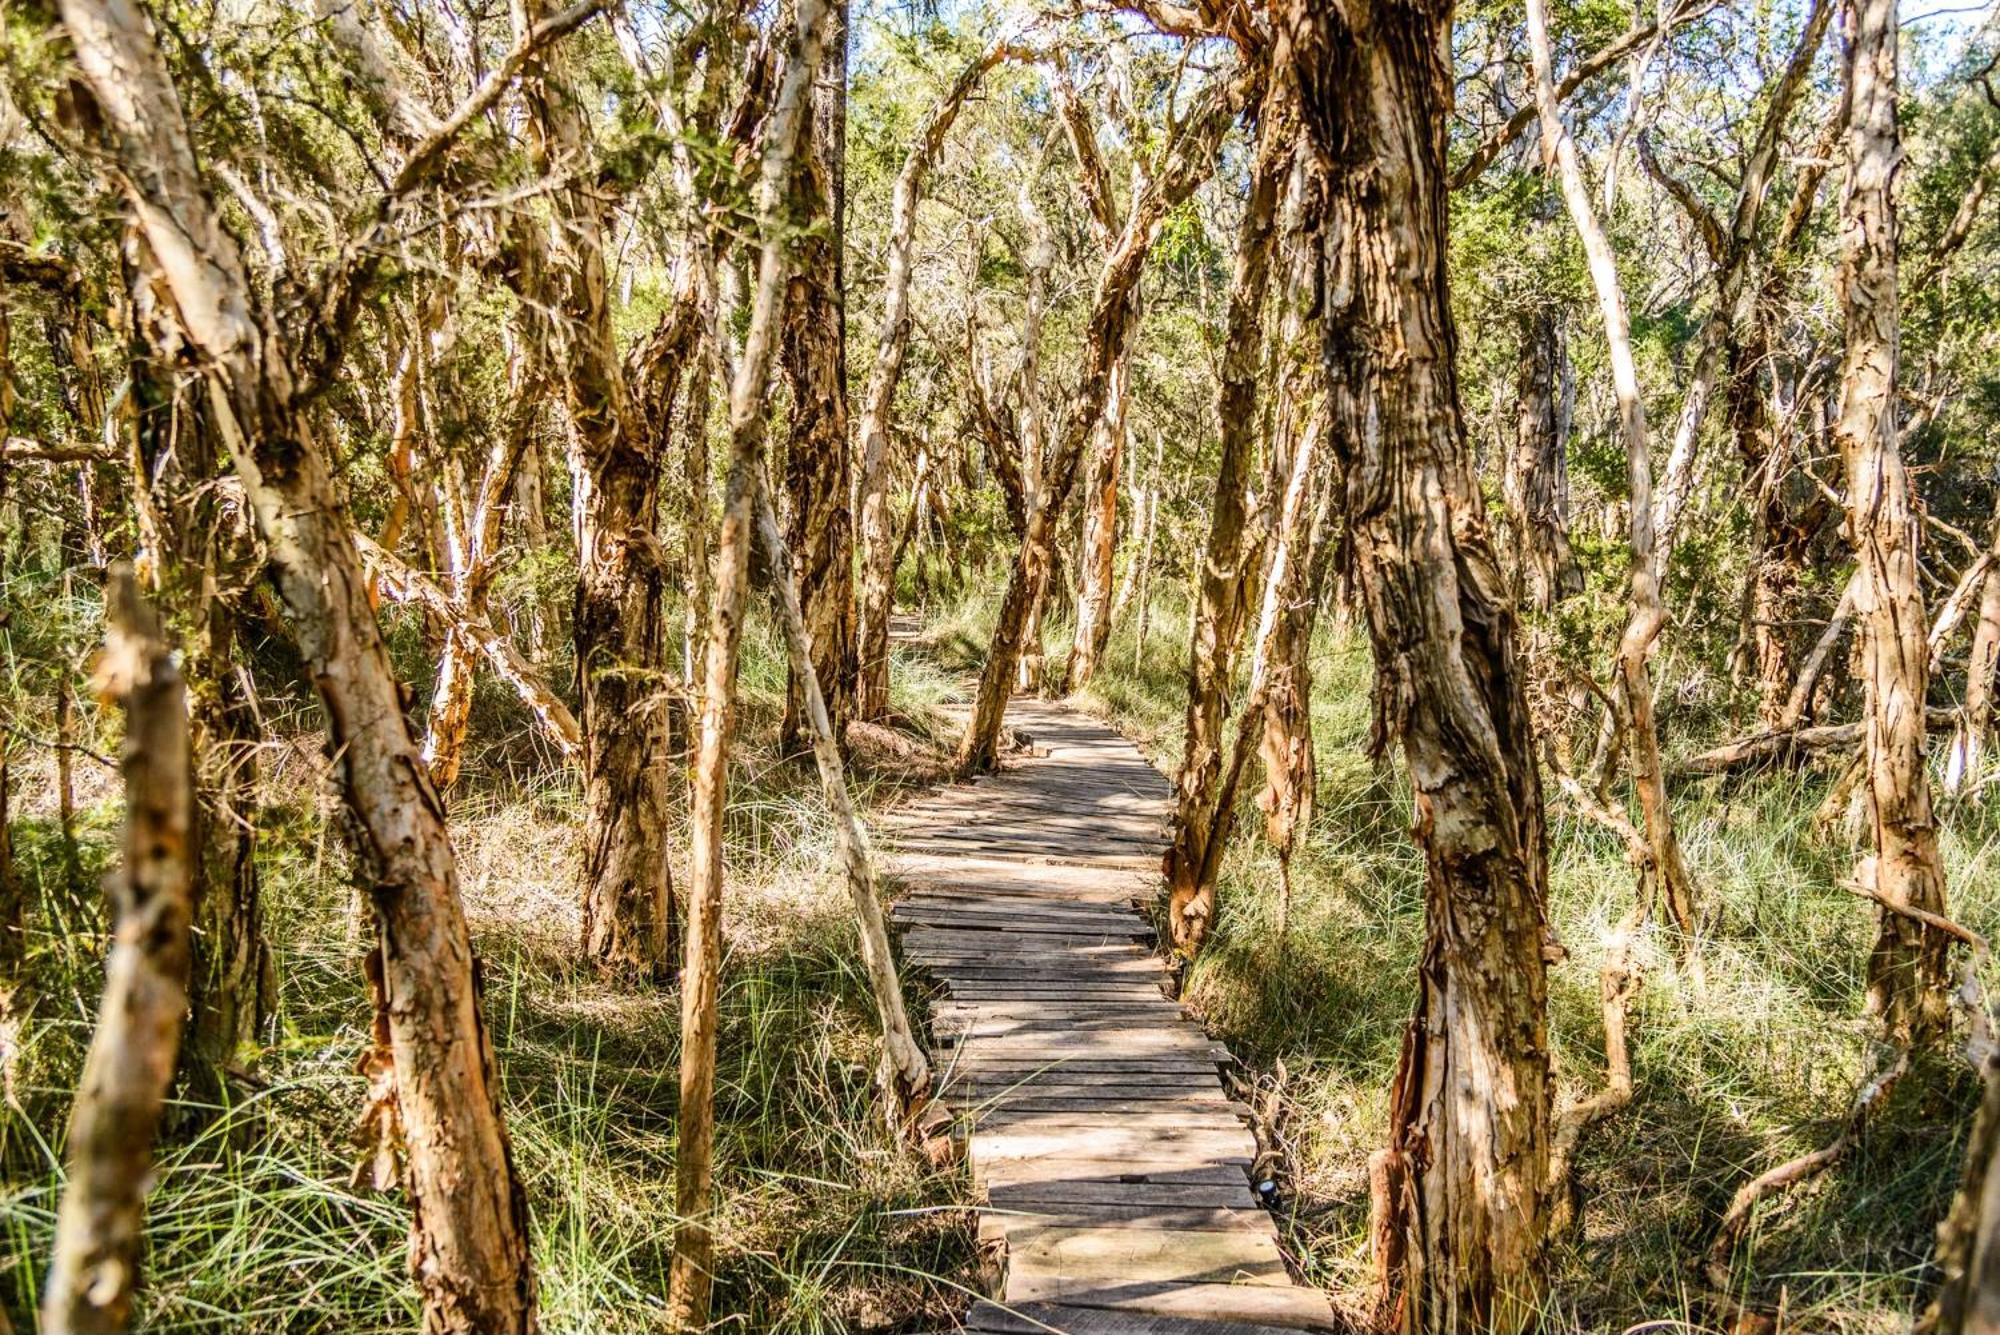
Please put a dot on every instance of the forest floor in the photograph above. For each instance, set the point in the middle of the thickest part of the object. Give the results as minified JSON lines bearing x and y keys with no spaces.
{"x":831,"y":1223}
{"x":1747,"y":1040}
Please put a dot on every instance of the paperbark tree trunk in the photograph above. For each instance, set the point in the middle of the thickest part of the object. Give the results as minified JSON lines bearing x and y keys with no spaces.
{"x":473,"y":542}
{"x":15,"y":993}
{"x":1100,"y":538}
{"x":1233,"y":555}
{"x":691,"y":1274}
{"x":1461,"y":1215}
{"x":877,"y":538}
{"x":1535,"y":483}
{"x":1032,"y":420}
{"x":1909,"y":978}
{"x":469,"y":1228}
{"x":1100,"y":516}
{"x":1647,"y":616}
{"x":818,"y":469}
{"x":1286,"y":746}
{"x":94,"y":1267}
{"x":1190,"y":159}
{"x":1966,"y":762}
{"x":619,"y":621}
{"x":1968,"y":1253}
{"x":905,"y":1073}
{"x":1732,"y":252}
{"x":197,"y":548}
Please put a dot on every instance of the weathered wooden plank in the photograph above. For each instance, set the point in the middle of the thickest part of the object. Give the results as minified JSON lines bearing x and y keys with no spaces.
{"x":1166,"y":1168}
{"x":1115,"y":1165}
{"x":1053,"y":1319}
{"x":1254,"y":1304}
{"x":987,"y":1109}
{"x":1114,"y":1258}
{"x":995,"y":1223}
{"x":1117,"y":1193}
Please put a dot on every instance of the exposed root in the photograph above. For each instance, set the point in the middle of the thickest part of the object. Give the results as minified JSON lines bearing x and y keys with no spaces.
{"x":1891,"y":1063}
{"x":1618,"y":983}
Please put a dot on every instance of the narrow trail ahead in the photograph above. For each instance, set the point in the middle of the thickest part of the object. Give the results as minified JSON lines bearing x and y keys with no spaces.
{"x":1115,"y":1169}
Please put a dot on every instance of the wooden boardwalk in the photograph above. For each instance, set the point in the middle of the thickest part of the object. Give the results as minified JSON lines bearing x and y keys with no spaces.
{"x":1114,"y":1167}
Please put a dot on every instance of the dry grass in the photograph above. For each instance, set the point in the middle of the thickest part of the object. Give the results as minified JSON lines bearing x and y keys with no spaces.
{"x":829,"y":1221}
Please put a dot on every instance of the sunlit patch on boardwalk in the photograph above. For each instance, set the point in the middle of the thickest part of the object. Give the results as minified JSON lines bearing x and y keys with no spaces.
{"x":1116,"y":1170}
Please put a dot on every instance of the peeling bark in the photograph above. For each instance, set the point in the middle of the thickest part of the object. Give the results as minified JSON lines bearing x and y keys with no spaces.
{"x":197,"y":545}
{"x":1966,"y":762}
{"x":876,"y":602}
{"x":469,"y":1229}
{"x":1535,"y":482}
{"x":1909,"y":975}
{"x":1647,"y":616}
{"x":818,"y":468}
{"x":1233,"y":556}
{"x":1461,"y":1214}
{"x":94,"y":1266}
{"x":1190,"y":158}
{"x":619,"y":621}
{"x":1968,"y":1251}
{"x":905,"y":1073}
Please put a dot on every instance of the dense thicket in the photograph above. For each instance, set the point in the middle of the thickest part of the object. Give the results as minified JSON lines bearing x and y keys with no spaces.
{"x":528,"y":484}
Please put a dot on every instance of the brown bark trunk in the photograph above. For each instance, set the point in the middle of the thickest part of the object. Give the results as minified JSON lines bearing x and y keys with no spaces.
{"x":619,"y":620}
{"x":1461,"y":1215}
{"x":878,"y":566}
{"x":1233,"y":555}
{"x":94,"y":1266}
{"x":469,"y":1230}
{"x":818,"y":471}
{"x":473,"y":542}
{"x":1968,"y":1254}
{"x":1535,"y":483}
{"x":197,"y":551}
{"x":1732,"y":252}
{"x":15,"y":993}
{"x":691,"y":1275}
{"x":1100,"y":539}
{"x":1190,"y":158}
{"x":1966,"y":763}
{"x":1032,"y":420}
{"x":1290,"y":773}
{"x":1909,"y":980}
{"x":506,"y":662}
{"x":1647,"y":615}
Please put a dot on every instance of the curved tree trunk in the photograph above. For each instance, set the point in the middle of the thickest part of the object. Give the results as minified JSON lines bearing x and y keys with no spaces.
{"x":1966,"y":763}
{"x":1968,"y":1251}
{"x":877,"y":539}
{"x":94,"y":1266}
{"x":1190,"y":159}
{"x":1233,"y":556}
{"x":1100,"y":538}
{"x":1647,"y":616}
{"x":905,"y":1072}
{"x":197,"y":550}
{"x":473,"y":542}
{"x":438,"y":1085}
{"x":15,"y":993}
{"x":1461,"y":1216}
{"x":1909,"y":978}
